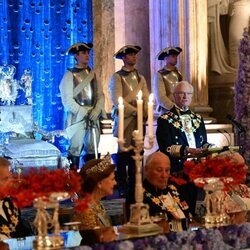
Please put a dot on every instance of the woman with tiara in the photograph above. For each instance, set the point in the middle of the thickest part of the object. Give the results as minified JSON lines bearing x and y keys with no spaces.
{"x":98,"y":181}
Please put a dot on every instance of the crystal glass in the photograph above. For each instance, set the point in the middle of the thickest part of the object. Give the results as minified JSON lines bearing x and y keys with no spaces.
{"x":45,"y":221}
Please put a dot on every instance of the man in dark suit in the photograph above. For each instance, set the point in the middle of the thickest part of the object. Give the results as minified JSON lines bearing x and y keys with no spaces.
{"x":181,"y":132}
{"x":11,"y":225}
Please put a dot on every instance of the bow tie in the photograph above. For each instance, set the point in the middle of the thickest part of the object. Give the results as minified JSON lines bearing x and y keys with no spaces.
{"x":183,"y":112}
{"x":187,"y":112}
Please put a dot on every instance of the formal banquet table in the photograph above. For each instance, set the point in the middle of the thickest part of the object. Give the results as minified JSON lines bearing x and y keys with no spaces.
{"x":227,"y":237}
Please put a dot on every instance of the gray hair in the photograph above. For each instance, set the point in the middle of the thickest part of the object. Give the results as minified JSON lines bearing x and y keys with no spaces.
{"x":183,"y":83}
{"x":154,"y":156}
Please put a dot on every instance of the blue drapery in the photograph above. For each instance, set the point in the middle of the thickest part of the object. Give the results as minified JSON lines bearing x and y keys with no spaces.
{"x":35,"y":35}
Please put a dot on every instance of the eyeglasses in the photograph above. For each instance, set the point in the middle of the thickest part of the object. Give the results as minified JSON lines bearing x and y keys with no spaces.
{"x":181,"y":94}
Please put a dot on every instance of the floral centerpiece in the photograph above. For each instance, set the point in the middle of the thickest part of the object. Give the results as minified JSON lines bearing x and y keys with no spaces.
{"x":229,"y":171}
{"x":25,"y":188}
{"x":44,"y":189}
{"x":216,"y":175}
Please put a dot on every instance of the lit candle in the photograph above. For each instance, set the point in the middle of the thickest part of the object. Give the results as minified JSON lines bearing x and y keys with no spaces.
{"x":121,"y":118}
{"x":140,"y":114}
{"x":150,"y":115}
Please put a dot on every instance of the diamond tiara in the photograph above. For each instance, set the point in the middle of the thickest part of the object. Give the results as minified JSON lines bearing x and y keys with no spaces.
{"x":101,"y":166}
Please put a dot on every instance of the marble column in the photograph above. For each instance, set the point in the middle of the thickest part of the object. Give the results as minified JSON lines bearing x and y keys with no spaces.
{"x":183,"y":23}
{"x":132,"y":27}
{"x":136,"y":15}
{"x":117,"y":23}
{"x":104,"y":44}
{"x":164,"y":30}
{"x":194,"y":41}
{"x":119,"y":28}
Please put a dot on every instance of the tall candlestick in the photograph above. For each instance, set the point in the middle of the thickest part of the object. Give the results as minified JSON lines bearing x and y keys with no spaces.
{"x":150,"y":115}
{"x":140,"y":114}
{"x":140,"y":221}
{"x":121,"y":118}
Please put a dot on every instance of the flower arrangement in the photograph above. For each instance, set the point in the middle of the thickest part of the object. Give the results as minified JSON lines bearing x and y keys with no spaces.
{"x":221,"y":167}
{"x":231,"y":237}
{"x":242,"y":92}
{"x":25,"y":188}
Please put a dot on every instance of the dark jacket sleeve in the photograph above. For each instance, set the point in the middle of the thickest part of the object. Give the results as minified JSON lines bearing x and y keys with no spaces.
{"x":168,"y":136}
{"x":171,"y":142}
{"x":202,"y":139}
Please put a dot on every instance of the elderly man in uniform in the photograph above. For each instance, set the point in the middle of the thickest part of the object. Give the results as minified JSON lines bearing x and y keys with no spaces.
{"x":180,"y":133}
{"x":83,"y":99}
{"x":160,"y":194}
{"x":166,"y":78}
{"x":126,"y":83}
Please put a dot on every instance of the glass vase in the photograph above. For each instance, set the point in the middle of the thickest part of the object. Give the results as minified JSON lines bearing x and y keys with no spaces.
{"x":214,"y":201}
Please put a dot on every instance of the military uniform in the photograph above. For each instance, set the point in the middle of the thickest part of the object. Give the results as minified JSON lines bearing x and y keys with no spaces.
{"x":165,"y":80}
{"x":175,"y":131}
{"x":164,"y":83}
{"x":81,"y":93}
{"x":166,"y":202}
{"x":10,"y":221}
{"x":127,"y":83}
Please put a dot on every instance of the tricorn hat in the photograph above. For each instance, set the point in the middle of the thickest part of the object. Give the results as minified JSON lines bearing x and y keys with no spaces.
{"x":126,"y":50}
{"x":168,"y":51}
{"x":75,"y":48}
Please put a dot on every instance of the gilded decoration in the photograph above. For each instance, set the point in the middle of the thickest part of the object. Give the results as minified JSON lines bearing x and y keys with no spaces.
{"x":193,"y":119}
{"x":172,"y":206}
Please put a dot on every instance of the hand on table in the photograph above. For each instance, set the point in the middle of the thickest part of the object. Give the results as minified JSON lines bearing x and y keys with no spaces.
{"x":196,"y":151}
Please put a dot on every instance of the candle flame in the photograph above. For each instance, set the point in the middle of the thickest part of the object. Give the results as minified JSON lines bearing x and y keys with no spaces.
{"x":151,"y":97}
{"x":120,"y":100}
{"x":139,"y":95}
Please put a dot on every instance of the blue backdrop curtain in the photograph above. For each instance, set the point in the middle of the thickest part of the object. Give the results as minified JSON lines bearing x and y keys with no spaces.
{"x":35,"y":35}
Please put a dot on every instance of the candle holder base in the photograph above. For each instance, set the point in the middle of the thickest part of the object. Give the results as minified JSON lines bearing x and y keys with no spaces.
{"x":48,"y":242}
{"x":142,"y":230}
{"x":140,"y":222}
